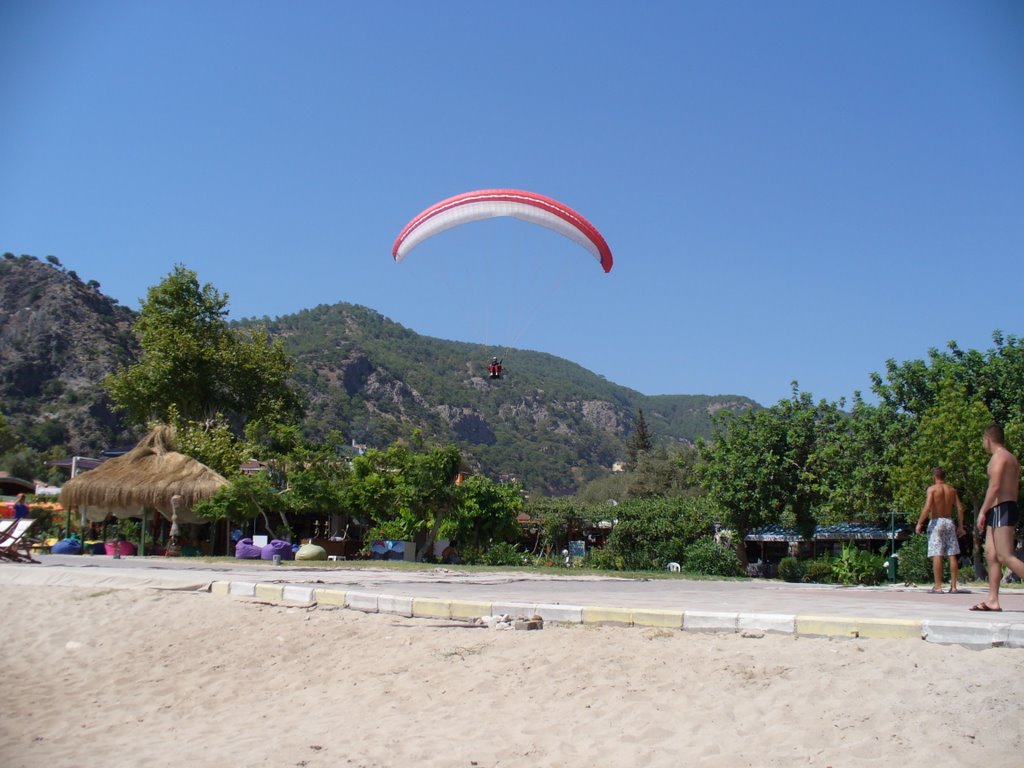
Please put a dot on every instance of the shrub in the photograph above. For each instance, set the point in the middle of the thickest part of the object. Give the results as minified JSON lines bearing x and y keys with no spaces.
{"x":605,"y":559}
{"x":706,"y":556}
{"x":914,"y":565}
{"x":791,"y":569}
{"x":504,"y":553}
{"x":855,"y":566}
{"x":650,"y":533}
{"x":819,"y":570}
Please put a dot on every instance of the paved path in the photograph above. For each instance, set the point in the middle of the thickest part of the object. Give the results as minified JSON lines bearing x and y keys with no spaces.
{"x":744,"y":597}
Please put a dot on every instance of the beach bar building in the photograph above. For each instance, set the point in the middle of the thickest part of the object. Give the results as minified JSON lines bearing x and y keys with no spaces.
{"x":151,"y":477}
{"x":767,"y":546}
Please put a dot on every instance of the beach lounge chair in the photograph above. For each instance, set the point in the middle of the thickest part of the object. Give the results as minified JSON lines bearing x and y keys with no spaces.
{"x":14,"y":542}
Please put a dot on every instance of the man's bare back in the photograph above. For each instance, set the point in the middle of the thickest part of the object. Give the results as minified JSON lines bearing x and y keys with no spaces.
{"x":941,"y":498}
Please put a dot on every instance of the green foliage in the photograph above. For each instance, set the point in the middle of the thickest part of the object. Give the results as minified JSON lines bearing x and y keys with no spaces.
{"x":245,"y":497}
{"x":820,"y":570}
{"x":403,"y":492}
{"x":663,"y":472}
{"x":640,"y":442}
{"x":194,"y":364}
{"x":484,"y":511}
{"x":791,"y":569}
{"x":948,"y":435}
{"x":706,"y":556}
{"x":504,"y":553}
{"x":650,"y":533}
{"x":856,"y":566}
{"x":556,"y":521}
{"x":604,"y":559}
{"x":914,"y":564}
{"x":763,"y":466}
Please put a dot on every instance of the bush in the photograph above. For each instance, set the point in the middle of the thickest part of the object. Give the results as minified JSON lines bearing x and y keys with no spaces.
{"x":605,"y":559}
{"x":914,"y":564}
{"x":791,"y":569}
{"x":651,"y":533}
{"x":819,"y":570}
{"x":855,"y":566}
{"x":504,"y":553}
{"x":706,"y":556}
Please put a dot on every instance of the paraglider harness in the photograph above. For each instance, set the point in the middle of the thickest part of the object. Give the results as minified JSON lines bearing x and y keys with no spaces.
{"x":494,"y":369}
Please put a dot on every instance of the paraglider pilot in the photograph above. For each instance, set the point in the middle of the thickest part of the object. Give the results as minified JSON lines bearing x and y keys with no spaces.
{"x":494,"y":369}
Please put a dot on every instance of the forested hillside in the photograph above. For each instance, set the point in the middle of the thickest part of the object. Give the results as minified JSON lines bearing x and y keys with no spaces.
{"x":548,"y":422}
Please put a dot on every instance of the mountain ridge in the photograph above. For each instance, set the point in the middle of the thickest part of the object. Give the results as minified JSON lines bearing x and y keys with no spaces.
{"x":548,"y":422}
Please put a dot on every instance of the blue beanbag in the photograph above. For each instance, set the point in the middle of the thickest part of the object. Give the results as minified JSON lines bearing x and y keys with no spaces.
{"x":67,"y":547}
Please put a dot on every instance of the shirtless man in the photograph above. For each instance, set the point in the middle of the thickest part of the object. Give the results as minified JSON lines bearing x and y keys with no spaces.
{"x":942,"y":535}
{"x":998,"y":517}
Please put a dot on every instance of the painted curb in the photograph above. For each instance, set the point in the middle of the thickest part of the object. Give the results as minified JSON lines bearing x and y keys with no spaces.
{"x":514,"y":610}
{"x":326,"y":596}
{"x":767,"y":622}
{"x":710,"y":621}
{"x":273,"y":592}
{"x":844,"y":626}
{"x":396,"y":605}
{"x":965,"y":633}
{"x":656,"y":617}
{"x":977,"y":634}
{"x":429,"y":608}
{"x":296,"y":594}
{"x":566,"y":614}
{"x":242,"y":588}
{"x":469,"y":609}
{"x":1015,"y":637}
{"x":361,"y":601}
{"x":621,"y":617}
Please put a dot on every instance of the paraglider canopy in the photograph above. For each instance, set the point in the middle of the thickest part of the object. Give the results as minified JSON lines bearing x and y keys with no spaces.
{"x":492,"y":203}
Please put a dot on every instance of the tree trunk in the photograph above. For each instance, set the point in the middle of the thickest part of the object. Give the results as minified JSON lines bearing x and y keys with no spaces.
{"x":442,"y":512}
{"x":978,"y":560}
{"x":741,"y":548}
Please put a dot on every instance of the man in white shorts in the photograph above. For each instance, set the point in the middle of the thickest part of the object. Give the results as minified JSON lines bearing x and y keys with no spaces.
{"x":942,"y":534}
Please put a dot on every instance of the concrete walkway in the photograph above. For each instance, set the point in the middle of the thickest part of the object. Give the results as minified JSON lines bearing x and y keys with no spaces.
{"x":448,"y":592}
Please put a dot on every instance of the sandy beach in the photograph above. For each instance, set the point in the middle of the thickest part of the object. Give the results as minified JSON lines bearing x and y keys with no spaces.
{"x":145,"y":677}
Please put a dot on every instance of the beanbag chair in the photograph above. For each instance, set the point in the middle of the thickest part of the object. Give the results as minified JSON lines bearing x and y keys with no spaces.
{"x":246,"y":550}
{"x":311,"y":552}
{"x":67,"y":547}
{"x":124,"y":548}
{"x":278,"y":547}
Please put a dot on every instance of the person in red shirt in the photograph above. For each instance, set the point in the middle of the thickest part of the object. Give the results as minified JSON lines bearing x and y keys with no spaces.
{"x":494,"y":369}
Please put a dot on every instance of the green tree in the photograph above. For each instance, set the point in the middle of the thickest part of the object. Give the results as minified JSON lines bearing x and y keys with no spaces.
{"x":194,"y":362}
{"x":485,"y":512}
{"x":8,"y":439}
{"x":404,"y":493}
{"x":640,"y":442}
{"x":661,"y":472}
{"x":763,"y":467}
{"x":948,"y":436}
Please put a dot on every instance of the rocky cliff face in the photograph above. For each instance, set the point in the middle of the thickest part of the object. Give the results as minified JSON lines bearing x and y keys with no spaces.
{"x":59,"y":337}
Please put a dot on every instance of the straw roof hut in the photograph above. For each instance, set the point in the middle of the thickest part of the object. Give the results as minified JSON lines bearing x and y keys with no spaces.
{"x":148,"y":476}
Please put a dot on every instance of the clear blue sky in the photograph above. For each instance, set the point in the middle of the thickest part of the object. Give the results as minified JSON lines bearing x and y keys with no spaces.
{"x":792,"y":190}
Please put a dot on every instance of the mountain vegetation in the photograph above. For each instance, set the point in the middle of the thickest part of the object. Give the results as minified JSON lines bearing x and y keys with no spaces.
{"x":548,"y":423}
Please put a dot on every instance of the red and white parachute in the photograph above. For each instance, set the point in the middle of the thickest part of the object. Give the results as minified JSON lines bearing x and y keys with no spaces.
{"x":491,"y":203}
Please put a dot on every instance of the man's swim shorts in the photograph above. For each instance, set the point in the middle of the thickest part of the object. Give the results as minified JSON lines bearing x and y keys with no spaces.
{"x":942,"y":538}
{"x":1003,"y":514}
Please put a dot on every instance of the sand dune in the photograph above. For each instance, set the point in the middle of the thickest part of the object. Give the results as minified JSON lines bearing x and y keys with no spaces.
{"x":160,"y":678}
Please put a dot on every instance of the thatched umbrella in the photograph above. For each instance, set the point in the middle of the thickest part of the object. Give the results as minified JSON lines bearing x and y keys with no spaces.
{"x":149,"y":476}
